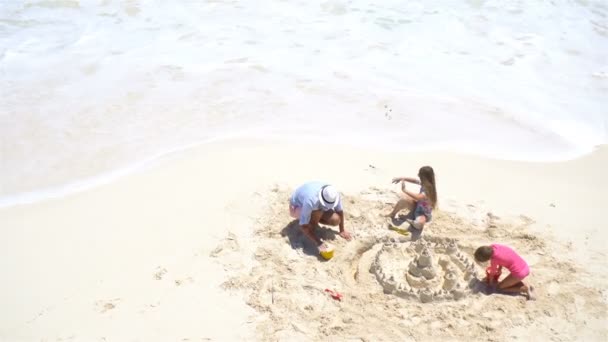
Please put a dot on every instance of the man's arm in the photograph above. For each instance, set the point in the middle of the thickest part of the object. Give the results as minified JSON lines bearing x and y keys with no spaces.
{"x":315,"y":218}
{"x":343,"y":233}
{"x":309,"y":219}
{"x":341,"y":214}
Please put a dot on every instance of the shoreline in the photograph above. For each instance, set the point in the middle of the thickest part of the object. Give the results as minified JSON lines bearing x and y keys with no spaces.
{"x":69,"y":188}
{"x":136,"y":251}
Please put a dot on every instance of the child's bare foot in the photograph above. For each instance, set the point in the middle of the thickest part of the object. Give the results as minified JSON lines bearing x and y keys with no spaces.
{"x":416,"y":224}
{"x":395,"y":221}
{"x":530,"y":293}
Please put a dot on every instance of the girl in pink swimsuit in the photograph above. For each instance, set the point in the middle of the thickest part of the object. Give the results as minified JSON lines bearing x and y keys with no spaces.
{"x":503,"y":256}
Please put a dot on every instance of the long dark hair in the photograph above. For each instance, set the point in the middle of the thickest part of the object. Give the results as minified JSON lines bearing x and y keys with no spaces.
{"x":427,"y":180}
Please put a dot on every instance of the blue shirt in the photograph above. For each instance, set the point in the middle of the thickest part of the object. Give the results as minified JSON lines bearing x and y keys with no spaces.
{"x":306,"y":197}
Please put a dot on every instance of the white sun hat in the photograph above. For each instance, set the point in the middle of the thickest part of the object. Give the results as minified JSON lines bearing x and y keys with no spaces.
{"x":329,"y":197}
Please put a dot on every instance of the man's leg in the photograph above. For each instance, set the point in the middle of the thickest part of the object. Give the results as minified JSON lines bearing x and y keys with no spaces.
{"x":330,"y":218}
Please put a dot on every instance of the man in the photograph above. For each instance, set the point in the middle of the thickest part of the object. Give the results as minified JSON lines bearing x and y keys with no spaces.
{"x":314,"y":203}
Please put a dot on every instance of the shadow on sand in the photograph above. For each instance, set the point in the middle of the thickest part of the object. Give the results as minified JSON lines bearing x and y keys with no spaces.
{"x":298,"y":240}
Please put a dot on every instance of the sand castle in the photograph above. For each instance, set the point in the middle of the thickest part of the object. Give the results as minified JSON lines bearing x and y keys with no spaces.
{"x":429,"y":269}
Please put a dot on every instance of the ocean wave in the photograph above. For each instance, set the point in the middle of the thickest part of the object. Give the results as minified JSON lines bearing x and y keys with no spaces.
{"x":93,"y":92}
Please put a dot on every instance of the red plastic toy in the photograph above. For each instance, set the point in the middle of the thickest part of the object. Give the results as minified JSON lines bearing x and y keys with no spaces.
{"x":334,"y":294}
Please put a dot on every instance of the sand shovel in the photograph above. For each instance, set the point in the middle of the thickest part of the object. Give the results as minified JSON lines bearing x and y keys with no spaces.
{"x":398,"y":229}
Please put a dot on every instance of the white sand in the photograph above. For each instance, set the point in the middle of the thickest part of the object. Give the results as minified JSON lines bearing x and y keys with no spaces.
{"x":179,"y":251}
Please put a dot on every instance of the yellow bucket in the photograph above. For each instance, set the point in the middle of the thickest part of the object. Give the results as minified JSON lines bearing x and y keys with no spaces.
{"x":328,"y":253}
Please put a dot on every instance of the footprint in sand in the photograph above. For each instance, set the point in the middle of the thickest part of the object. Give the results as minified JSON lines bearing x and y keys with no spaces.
{"x":104,"y":306}
{"x":526,"y":220}
{"x":229,"y":244}
{"x":160,"y":273}
{"x":180,"y":282}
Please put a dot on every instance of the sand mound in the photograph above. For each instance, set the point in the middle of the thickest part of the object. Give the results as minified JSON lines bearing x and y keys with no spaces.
{"x":397,"y":289}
